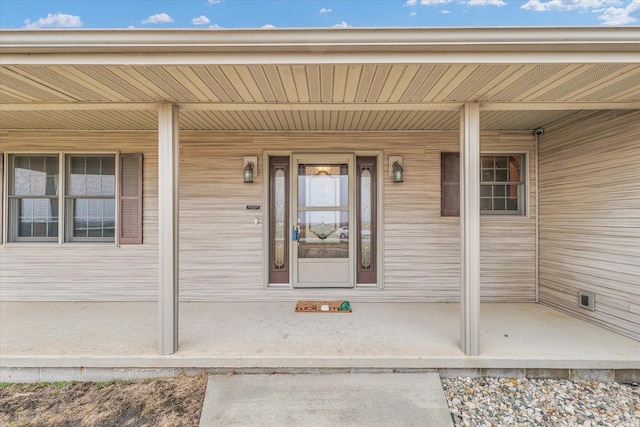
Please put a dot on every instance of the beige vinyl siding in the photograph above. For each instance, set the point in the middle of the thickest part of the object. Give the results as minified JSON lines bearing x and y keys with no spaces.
{"x":221,"y":249}
{"x":590,"y":217}
{"x":85,"y":271}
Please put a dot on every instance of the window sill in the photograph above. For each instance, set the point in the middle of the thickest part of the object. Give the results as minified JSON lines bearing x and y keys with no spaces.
{"x":41,"y":245}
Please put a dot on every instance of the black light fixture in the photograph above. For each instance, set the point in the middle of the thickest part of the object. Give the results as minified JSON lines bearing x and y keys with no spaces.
{"x":398,"y":172}
{"x":248,"y":172}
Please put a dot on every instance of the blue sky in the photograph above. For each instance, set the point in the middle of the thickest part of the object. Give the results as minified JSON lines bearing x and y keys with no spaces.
{"x":16,"y":14}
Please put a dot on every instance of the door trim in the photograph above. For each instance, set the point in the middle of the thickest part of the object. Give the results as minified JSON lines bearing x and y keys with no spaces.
{"x":381,"y":180}
{"x":332,"y":158}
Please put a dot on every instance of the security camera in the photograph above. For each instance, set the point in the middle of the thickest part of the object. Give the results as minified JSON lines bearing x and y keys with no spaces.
{"x":539,"y":132}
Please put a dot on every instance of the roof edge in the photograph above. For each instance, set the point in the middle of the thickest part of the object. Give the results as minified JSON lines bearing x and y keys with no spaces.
{"x":493,"y":39}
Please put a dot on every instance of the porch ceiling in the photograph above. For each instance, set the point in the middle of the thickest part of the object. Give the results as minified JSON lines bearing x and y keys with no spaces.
{"x":269,"y":120}
{"x":316,"y":87}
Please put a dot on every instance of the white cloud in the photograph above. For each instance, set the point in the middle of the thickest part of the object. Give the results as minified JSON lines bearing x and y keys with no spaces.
{"x":268,"y":27}
{"x":620,"y":15}
{"x":213,"y":1}
{"x":215,"y":27}
{"x":610,"y":10}
{"x":200,"y":20}
{"x":341,"y":25}
{"x":563,"y":5}
{"x":57,"y":20}
{"x":412,"y":14}
{"x":411,"y":2}
{"x":325,"y":10}
{"x":498,"y":3}
{"x":159,"y":18}
{"x":446,"y":12}
{"x":434,"y":2}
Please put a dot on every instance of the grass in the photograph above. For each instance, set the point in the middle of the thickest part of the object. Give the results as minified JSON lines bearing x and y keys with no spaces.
{"x":170,"y":401}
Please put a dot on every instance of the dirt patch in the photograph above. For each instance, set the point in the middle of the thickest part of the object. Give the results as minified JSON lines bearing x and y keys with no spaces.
{"x":170,"y":401}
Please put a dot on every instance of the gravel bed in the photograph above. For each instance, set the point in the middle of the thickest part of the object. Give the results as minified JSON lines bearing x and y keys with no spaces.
{"x":535,"y":402}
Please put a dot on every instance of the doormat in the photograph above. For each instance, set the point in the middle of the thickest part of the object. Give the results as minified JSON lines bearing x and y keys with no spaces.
{"x":323,"y":307}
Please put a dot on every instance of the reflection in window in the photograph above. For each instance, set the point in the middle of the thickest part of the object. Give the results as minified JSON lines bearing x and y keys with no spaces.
{"x":90,"y":198}
{"x":323,"y":210}
{"x":33,"y":197}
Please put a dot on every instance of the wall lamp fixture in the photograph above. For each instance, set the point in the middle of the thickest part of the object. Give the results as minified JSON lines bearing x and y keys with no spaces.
{"x":395,"y":168}
{"x":250,"y":169}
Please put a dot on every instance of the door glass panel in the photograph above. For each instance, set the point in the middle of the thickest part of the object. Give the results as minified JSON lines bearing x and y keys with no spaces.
{"x":323,"y":210}
{"x":324,"y":234}
{"x":323,"y":185}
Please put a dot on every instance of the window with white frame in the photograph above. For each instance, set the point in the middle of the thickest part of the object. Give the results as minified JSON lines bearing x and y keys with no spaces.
{"x":87,"y":186}
{"x":90,"y":198}
{"x":502,"y":184}
{"x":33,"y":197}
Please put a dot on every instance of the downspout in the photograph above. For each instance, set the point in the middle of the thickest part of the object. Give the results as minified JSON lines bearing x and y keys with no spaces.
{"x":537,"y":177}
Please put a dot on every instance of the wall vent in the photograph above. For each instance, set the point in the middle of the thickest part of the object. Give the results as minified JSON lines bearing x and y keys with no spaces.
{"x":587,"y":300}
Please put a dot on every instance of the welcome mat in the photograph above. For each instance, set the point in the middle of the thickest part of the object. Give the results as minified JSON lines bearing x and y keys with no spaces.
{"x":323,"y":307}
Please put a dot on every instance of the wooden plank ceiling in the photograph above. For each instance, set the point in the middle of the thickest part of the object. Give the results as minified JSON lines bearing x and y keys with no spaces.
{"x":305,"y":97}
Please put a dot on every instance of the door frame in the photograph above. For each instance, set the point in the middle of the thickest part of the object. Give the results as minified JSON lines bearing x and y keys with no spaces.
{"x":321,"y":158}
{"x":381,"y":180}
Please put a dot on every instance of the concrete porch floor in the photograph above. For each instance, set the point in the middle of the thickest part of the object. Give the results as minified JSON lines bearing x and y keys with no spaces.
{"x":43,"y":341}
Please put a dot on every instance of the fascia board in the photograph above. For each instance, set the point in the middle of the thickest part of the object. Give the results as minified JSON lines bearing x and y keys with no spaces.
{"x":322,"y":41}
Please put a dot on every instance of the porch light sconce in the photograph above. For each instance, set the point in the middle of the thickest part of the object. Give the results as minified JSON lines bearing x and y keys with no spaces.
{"x":395,"y":168}
{"x":250,"y":168}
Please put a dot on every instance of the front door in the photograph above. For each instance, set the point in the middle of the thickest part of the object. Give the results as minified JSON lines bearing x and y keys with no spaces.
{"x":323,"y":214}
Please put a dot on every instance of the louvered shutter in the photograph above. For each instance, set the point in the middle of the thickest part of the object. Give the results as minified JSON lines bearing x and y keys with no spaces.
{"x":1,"y":198}
{"x":450,"y":184}
{"x":131,"y":198}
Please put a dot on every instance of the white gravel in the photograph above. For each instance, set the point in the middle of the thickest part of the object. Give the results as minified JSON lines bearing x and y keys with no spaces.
{"x":534,"y":402}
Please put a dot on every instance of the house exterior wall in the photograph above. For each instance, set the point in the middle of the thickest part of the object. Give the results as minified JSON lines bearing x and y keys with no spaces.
{"x":590,"y":218}
{"x":85,"y":271}
{"x":222,"y":250}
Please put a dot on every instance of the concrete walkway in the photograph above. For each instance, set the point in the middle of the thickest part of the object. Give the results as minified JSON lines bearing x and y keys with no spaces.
{"x":326,"y":400}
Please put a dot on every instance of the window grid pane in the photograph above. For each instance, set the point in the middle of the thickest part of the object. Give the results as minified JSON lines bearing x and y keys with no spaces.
{"x":501,"y":184}
{"x":35,"y":176}
{"x":33,"y":197}
{"x":91,"y":176}
{"x":91,"y":198}
{"x":37,"y":218}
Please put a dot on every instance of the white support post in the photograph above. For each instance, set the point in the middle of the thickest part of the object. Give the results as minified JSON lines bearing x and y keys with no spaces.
{"x":470,"y":228}
{"x":168,"y":158}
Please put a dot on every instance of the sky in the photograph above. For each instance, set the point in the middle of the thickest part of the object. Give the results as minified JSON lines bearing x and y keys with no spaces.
{"x":267,"y":14}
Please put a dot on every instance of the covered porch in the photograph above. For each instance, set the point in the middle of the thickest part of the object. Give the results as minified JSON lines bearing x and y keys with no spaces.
{"x":43,"y":341}
{"x":565,"y":100}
